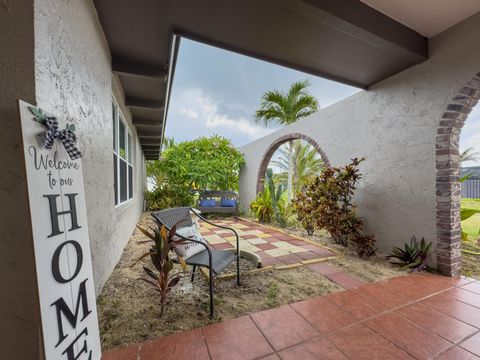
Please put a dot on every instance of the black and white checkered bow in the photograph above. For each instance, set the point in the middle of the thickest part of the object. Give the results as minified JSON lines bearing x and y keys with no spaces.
{"x":66,"y":136}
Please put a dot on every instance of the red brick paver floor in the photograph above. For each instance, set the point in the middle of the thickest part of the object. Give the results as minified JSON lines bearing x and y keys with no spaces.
{"x":271,"y":245}
{"x":418,"y":316}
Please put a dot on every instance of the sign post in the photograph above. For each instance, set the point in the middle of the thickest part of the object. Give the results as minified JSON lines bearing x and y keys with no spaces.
{"x":60,"y":237}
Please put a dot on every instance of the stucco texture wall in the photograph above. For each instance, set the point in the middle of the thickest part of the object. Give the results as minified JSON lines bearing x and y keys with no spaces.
{"x":19,"y":310}
{"x":394,"y":126}
{"x":73,"y":79}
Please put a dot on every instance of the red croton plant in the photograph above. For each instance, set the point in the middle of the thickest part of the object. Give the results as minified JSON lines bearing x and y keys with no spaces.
{"x":165,"y":279}
{"x":326,"y":203}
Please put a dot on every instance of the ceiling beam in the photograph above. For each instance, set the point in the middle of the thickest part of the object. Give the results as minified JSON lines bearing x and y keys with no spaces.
{"x":147,"y":141}
{"x":127,"y":68}
{"x":149,"y":134}
{"x":146,"y":122}
{"x":150,"y":147}
{"x":144,"y":104}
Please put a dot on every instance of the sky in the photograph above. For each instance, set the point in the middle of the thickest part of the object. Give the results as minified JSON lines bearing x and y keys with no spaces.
{"x":217,"y":92}
{"x":470,"y":136}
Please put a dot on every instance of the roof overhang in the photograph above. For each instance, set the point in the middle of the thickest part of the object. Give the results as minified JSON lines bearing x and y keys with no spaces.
{"x":345,"y":41}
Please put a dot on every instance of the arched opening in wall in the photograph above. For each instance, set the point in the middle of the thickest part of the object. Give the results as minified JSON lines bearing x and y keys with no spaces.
{"x":292,"y":159}
{"x":458,"y":184}
{"x":470,"y":194}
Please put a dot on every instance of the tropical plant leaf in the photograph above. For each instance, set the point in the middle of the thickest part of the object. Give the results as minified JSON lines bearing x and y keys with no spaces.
{"x":148,"y":281}
{"x":466,"y":213}
{"x":150,"y":273}
{"x":168,"y":266}
{"x":173,"y":282}
{"x":146,"y":233}
{"x":182,"y":262}
{"x":413,"y":256}
{"x":142,"y":257}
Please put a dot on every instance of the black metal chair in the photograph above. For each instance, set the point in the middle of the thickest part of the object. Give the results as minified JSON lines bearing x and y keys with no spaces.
{"x":215,"y":260}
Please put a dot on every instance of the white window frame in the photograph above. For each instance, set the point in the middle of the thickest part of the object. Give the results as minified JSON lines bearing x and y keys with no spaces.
{"x":129,"y":153}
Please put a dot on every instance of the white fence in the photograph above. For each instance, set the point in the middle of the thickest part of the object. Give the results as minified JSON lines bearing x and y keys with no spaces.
{"x":471,"y":189}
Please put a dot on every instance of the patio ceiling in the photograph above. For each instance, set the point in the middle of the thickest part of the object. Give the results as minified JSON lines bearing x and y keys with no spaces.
{"x":346,"y":41}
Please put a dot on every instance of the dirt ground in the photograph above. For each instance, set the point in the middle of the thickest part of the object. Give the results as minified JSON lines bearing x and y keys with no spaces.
{"x":129,"y":309}
{"x":376,"y":268}
{"x":470,"y":259}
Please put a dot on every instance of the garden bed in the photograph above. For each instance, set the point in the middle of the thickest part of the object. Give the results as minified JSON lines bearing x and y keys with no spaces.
{"x":129,"y":309}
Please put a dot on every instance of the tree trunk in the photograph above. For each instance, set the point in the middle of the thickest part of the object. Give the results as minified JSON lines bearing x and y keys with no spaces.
{"x":290,"y":171}
{"x":295,"y":178}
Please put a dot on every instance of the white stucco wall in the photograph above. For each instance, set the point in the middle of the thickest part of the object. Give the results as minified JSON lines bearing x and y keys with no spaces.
{"x":73,"y":79}
{"x":393,"y":125}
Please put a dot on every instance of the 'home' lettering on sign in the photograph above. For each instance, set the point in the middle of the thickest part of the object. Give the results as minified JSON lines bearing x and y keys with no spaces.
{"x":62,"y":248}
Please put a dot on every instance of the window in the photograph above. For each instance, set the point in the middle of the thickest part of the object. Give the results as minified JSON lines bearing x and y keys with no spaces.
{"x":122,"y":158}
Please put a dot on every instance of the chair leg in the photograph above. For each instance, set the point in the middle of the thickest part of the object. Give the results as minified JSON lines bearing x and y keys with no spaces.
{"x":212,"y":305}
{"x":193,"y":272}
{"x":238,"y":270}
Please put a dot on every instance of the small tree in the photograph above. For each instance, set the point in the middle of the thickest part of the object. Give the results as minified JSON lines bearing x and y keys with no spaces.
{"x":202,"y":164}
{"x":205,"y":163}
{"x":329,"y":201}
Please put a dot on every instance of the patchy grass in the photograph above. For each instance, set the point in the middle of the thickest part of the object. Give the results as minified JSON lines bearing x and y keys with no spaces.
{"x":471,"y":225}
{"x":470,"y":246}
{"x":129,"y":309}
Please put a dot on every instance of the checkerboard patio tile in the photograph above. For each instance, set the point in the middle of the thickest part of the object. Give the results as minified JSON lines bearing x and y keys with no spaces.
{"x":271,"y":245}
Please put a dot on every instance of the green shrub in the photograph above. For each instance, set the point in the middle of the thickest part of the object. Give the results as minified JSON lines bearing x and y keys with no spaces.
{"x":203,"y":164}
{"x":167,"y":196}
{"x":272,"y":203}
{"x":413,"y":256}
{"x":261,"y":207}
{"x":302,"y":206}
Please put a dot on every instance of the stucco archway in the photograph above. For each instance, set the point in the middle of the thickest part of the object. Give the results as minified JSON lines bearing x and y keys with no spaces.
{"x":267,"y":156}
{"x":447,"y":165}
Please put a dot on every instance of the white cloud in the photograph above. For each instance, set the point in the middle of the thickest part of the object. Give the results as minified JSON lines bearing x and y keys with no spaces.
{"x":470,"y":136}
{"x":204,"y":108}
{"x":189,"y":112}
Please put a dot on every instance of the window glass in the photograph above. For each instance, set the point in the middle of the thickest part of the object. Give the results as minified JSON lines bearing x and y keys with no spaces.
{"x":114,"y":117}
{"x":123,"y":157}
{"x":123,"y":181}
{"x":115,"y":175}
{"x":121,"y":139}
{"x":130,"y":182}
{"x":130,"y":149}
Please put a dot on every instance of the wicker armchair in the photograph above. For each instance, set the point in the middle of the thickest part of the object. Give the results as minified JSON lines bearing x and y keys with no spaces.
{"x":215,"y":260}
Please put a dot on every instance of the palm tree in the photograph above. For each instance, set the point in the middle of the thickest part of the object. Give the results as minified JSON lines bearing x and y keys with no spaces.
{"x":285,"y":109}
{"x":306,"y":164}
{"x":469,"y":154}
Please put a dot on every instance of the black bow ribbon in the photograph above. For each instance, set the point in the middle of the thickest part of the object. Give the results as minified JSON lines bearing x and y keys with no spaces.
{"x":66,"y":136}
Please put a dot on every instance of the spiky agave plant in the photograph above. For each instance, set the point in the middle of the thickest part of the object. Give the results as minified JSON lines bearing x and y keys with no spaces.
{"x":164,"y":280}
{"x":412,"y":256}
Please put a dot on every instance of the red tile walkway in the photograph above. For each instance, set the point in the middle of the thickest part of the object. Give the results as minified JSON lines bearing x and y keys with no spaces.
{"x":419,"y":316}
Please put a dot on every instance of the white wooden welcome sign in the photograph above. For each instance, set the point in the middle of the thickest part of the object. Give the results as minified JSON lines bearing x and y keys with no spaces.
{"x":61,"y":244}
